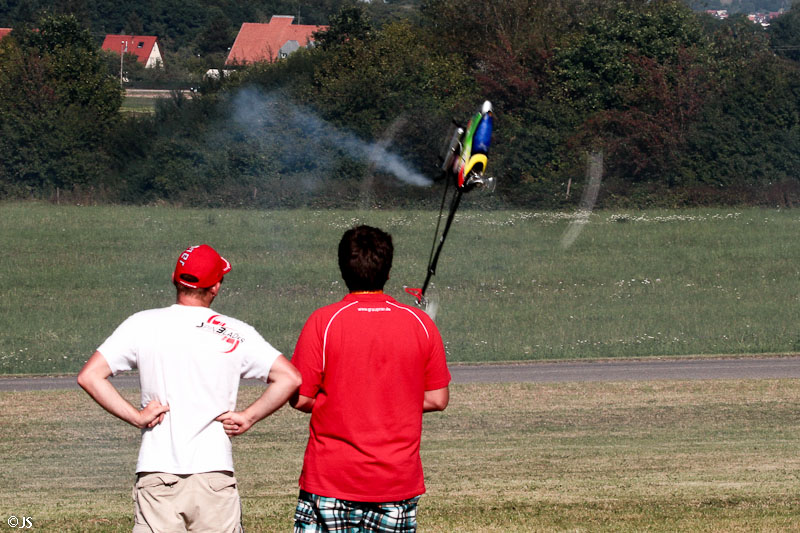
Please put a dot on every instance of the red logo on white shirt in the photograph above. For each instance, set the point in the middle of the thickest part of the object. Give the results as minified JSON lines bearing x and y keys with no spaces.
{"x":230,"y":337}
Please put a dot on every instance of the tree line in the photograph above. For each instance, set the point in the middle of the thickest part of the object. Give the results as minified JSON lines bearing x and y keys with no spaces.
{"x":686,"y":110}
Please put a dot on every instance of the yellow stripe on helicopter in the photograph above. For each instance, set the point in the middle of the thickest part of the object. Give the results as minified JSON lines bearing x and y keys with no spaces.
{"x":475,"y":160}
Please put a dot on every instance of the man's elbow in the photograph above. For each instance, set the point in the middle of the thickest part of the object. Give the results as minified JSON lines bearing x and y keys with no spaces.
{"x":436,"y":400}
{"x":302,"y":403}
{"x":295,"y":401}
{"x":84,"y":379}
{"x":93,"y":372}
{"x":443,"y":405}
{"x":292,"y":381}
{"x":439,"y":405}
{"x":284,"y":375}
{"x":295,"y":379}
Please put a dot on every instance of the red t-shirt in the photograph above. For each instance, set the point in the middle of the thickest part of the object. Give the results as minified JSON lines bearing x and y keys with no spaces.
{"x":368,"y":361}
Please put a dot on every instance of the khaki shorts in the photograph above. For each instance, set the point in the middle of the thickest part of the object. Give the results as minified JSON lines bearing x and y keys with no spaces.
{"x":169,"y":503}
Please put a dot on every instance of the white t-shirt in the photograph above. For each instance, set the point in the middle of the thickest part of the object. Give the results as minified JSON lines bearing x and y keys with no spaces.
{"x":191,"y":359}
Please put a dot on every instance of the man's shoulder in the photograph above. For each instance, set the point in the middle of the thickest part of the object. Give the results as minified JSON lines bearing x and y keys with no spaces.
{"x":322,"y":316}
{"x":332,"y":308}
{"x":149,"y":314}
{"x":416,"y":311}
{"x":400,"y":305}
{"x":386,"y":303}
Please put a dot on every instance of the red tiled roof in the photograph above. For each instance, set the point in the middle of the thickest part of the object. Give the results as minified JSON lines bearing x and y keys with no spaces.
{"x":140,"y":45}
{"x":4,"y":32}
{"x":262,"y":42}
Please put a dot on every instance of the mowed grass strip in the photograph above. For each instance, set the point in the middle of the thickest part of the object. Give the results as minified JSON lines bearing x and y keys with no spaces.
{"x":138,"y":105}
{"x":657,"y":456}
{"x":632,"y":284}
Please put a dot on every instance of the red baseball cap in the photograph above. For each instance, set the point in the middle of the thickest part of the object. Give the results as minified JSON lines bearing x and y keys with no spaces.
{"x":199,"y":267}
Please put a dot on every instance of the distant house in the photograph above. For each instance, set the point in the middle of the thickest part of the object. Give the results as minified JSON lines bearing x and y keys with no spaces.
{"x":718,"y":13}
{"x":4,"y":32}
{"x":144,"y":47}
{"x":216,"y":74}
{"x":763,"y":18}
{"x":270,"y":42}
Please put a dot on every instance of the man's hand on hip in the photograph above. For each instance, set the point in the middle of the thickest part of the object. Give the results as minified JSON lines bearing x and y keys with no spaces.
{"x":234,"y":422}
{"x":282,"y":382}
{"x":152,"y":414}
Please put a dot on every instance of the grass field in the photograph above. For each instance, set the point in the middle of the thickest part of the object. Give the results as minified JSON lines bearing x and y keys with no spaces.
{"x":660,"y":456}
{"x":715,"y":456}
{"x":140,"y":105}
{"x":633,"y":284}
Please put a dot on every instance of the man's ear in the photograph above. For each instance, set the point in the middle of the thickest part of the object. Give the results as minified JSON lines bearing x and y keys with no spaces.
{"x":214,"y":289}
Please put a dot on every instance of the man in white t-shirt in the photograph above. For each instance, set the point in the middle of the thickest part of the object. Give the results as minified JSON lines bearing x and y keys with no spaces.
{"x":190,"y":360}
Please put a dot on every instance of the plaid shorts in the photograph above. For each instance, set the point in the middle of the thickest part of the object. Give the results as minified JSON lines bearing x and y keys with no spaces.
{"x":321,"y":514}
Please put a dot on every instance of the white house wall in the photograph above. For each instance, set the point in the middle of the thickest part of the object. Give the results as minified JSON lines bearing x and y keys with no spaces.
{"x":154,"y":59}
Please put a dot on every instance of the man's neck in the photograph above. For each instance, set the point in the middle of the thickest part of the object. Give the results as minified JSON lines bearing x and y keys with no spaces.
{"x":193,"y":302}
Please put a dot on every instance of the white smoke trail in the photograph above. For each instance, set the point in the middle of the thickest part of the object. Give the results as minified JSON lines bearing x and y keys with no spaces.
{"x":594,"y":175}
{"x":257,"y":112}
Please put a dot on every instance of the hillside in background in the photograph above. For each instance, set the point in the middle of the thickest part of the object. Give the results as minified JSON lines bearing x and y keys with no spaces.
{"x":741,"y":6}
{"x":185,"y":23}
{"x":685,"y":108}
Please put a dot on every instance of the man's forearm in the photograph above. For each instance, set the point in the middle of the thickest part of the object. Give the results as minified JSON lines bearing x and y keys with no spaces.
{"x":302,"y":403}
{"x":104,"y":393}
{"x":93,"y":378}
{"x":282,"y":383}
{"x":436,"y":400}
{"x":273,"y":398}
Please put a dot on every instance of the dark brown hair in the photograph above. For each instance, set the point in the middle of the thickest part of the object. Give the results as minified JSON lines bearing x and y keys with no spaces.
{"x":365,"y":258}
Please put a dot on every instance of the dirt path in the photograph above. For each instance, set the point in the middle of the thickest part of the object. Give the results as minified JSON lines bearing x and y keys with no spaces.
{"x":570,"y":371}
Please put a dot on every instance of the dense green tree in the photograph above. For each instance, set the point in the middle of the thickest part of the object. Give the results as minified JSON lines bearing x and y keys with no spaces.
{"x":472,"y":28}
{"x":784,"y":33}
{"x":646,"y":136}
{"x":638,"y":76}
{"x":217,"y":34}
{"x":737,"y":44}
{"x":77,"y":75}
{"x":348,"y":24}
{"x":21,"y":13}
{"x":368,"y":84}
{"x":292,"y":75}
{"x":57,"y":103}
{"x":595,"y":62}
{"x":134,"y":25}
{"x":77,"y":8}
{"x":750,"y":134}
{"x":386,"y":11}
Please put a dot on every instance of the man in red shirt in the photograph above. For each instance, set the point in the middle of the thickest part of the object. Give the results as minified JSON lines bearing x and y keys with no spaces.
{"x":370,"y":366}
